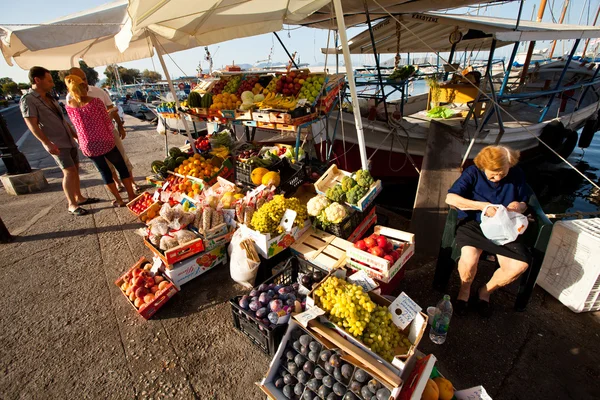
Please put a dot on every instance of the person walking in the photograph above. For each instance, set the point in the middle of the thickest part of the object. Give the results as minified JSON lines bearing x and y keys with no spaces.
{"x":95,"y":132}
{"x":118,"y":133}
{"x":44,"y":118}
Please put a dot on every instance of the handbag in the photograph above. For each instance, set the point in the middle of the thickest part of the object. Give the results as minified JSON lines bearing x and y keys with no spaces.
{"x":504,"y":227}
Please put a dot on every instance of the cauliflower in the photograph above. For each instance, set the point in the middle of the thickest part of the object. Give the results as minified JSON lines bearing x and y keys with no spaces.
{"x":348,"y":183}
{"x":316,"y":205}
{"x":335,"y":213}
{"x":364,"y":178}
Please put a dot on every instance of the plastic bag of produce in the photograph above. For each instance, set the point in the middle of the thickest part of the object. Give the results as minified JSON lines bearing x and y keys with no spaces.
{"x":166,"y":212}
{"x":186,"y":219}
{"x":504,"y":227}
{"x":184,"y":236}
{"x":159,"y":226}
{"x":242,"y":268}
{"x":167,"y":242}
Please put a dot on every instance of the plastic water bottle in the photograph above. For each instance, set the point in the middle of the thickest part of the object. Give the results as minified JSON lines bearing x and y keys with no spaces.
{"x":441,"y":321}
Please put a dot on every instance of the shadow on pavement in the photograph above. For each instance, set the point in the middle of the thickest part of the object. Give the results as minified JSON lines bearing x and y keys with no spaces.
{"x":76,"y":232}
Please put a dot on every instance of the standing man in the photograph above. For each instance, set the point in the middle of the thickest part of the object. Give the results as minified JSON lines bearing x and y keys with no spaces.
{"x":118,"y":133}
{"x":44,"y":118}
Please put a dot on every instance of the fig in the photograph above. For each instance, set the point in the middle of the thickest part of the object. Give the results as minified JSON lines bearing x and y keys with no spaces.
{"x":293,"y":368}
{"x":350,"y":396}
{"x":309,"y":367}
{"x":305,"y":340}
{"x":308,"y":395}
{"x":355,"y":386}
{"x":299,"y":360}
{"x":261,"y":313}
{"x":276,"y":306}
{"x":244,"y":303}
{"x":328,"y":381}
{"x":325,"y":354}
{"x":374,"y":386}
{"x":288,"y":391}
{"x":279,"y":383}
{"x":289,"y":379}
{"x":297,"y":346}
{"x":306,"y":280}
{"x":339,"y":389}
{"x":323,"y":391}
{"x":290,"y":355}
{"x":332,"y":396}
{"x":313,"y":356}
{"x":337,"y":374}
{"x":313,"y":384}
{"x":254,"y":305}
{"x":314,"y":346}
{"x":302,"y":377}
{"x":328,"y":368}
{"x":383,"y":394}
{"x":304,"y":350}
{"x":365,"y":392}
{"x":334,"y":360}
{"x":319,"y":373}
{"x":318,"y":276}
{"x":347,"y":371}
{"x":299,"y":388}
{"x":361,"y":376}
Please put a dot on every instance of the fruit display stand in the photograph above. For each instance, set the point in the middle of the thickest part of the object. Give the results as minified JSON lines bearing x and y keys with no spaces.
{"x":380,"y":268}
{"x":334,"y":175}
{"x":322,"y":249}
{"x":162,"y":294}
{"x":186,"y":270}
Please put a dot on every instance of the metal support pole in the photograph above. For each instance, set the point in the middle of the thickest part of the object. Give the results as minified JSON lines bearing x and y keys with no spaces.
{"x":450,"y":57}
{"x":587,"y":88}
{"x":376,"y":62}
{"x":519,"y":15}
{"x":508,"y":69}
{"x":532,"y":44}
{"x":286,"y":50}
{"x":562,"y":76}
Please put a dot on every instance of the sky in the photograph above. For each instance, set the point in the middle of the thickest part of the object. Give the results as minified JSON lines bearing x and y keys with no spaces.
{"x":307,"y":42}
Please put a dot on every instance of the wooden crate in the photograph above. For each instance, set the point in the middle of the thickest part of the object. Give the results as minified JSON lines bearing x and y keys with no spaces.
{"x":261,"y":116}
{"x":245,"y":115}
{"x":267,"y":125}
{"x":280,"y":117}
{"x":322,"y":249}
{"x":334,"y":175}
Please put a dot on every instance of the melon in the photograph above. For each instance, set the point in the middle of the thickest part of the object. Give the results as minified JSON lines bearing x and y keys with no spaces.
{"x":271,"y":179}
{"x":257,"y":175}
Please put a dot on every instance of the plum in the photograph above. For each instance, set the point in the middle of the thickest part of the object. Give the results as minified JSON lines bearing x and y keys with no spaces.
{"x":374,"y":386}
{"x":282,"y":297}
{"x":302,"y":377}
{"x":309,"y":367}
{"x":266,"y":322}
{"x":299,"y":360}
{"x":325,"y":354}
{"x":277,"y":287}
{"x":273,"y":317}
{"x":244,"y":303}
{"x":289,"y":379}
{"x":361,"y":376}
{"x":264,"y":299}
{"x":290,"y":355}
{"x":313,"y":356}
{"x":276,"y":306}
{"x":254,"y":305}
{"x":296,"y":345}
{"x":350,"y":396}
{"x":383,"y":394}
{"x":289,"y":302}
{"x":334,"y":360}
{"x":365,"y":392}
{"x":295,"y":287}
{"x":337,"y":374}
{"x":292,"y":296}
{"x":306,"y":280}
{"x":355,"y":386}
{"x":319,"y":373}
{"x":328,"y":381}
{"x":270,"y":293}
{"x":284,"y":290}
{"x":318,"y":276}
{"x":323,"y":391}
{"x":314,"y":346}
{"x":263,"y":287}
{"x":271,"y":286}
{"x":305,"y":340}
{"x":288,"y":391}
{"x":304,"y":350}
{"x":313,"y":384}
{"x":299,"y":388}
{"x":279,"y":383}
{"x":293,"y":368}
{"x":339,"y":389}
{"x":347,"y":371}
{"x":254,"y":293}
{"x":261,"y":313}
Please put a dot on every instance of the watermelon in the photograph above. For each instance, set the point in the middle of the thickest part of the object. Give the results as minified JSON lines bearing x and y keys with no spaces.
{"x":156,"y":166}
{"x":175,"y":152}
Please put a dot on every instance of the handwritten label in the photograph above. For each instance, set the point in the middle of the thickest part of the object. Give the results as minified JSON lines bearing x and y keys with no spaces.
{"x":166,"y":185}
{"x":363,"y":280}
{"x":287,"y":221}
{"x":156,"y":195}
{"x":308,"y":315}
{"x":301,"y":102}
{"x":164,"y":196}
{"x":155,"y":265}
{"x":403,"y":310}
{"x":474,"y":393}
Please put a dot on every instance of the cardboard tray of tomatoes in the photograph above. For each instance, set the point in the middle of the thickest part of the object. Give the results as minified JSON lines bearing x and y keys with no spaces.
{"x":145,"y":291}
{"x":142,"y":205}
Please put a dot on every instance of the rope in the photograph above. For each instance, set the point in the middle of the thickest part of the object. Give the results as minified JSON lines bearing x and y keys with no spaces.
{"x":491,"y":100}
{"x":171,"y":58}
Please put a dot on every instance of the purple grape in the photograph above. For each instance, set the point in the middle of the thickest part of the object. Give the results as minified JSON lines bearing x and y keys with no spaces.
{"x":254,"y":305}
{"x":276,"y":305}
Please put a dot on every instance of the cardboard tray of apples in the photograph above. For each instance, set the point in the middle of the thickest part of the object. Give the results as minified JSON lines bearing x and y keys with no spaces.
{"x":147,"y":291}
{"x":382,"y":254}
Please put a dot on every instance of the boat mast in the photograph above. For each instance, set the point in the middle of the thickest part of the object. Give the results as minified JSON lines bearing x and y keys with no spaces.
{"x":587,"y":41}
{"x":560,"y":21}
{"x":532,"y":43}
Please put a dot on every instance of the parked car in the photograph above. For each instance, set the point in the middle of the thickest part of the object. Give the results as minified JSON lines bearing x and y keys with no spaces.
{"x":16,"y":98}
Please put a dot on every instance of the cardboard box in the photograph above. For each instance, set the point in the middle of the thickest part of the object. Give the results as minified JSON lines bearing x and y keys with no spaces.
{"x":177,"y":254}
{"x":379,"y":268}
{"x":269,"y":246}
{"x":161,"y":297}
{"x":185,"y":271}
{"x":267,"y":384}
{"x":216,"y":241}
{"x":415,"y":375}
{"x":334,"y":175}
{"x":261,"y":116}
{"x":280,"y":117}
{"x":243,"y":115}
{"x":322,"y":249}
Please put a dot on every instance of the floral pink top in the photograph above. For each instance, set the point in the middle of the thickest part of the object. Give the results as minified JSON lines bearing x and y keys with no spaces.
{"x":94,"y":128}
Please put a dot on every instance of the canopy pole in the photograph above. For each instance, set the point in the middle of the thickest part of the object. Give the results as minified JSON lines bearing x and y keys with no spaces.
{"x":508,"y":69}
{"x":587,"y":41}
{"x":532,"y":44}
{"x":339,"y":15}
{"x":560,"y":21}
{"x":286,"y":50}
{"x":159,"y":52}
{"x":450,"y":57}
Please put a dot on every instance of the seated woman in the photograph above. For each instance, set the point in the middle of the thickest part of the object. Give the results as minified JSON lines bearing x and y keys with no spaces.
{"x":95,"y":136}
{"x":494,"y":179}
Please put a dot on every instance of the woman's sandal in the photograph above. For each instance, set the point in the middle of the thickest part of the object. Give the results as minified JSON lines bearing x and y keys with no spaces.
{"x":78,"y":211}
{"x":89,"y":200}
{"x":116,"y":204}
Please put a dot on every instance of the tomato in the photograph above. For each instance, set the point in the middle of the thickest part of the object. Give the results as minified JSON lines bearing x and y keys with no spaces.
{"x":370,"y":242}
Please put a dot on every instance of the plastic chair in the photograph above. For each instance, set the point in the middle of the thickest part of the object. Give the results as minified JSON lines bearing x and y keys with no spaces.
{"x":536,"y":237}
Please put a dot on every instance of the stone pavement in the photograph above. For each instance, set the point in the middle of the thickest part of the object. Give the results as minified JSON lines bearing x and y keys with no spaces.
{"x":68,"y":332}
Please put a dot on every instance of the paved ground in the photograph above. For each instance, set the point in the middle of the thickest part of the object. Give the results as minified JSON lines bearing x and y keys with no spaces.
{"x":67,"y":332}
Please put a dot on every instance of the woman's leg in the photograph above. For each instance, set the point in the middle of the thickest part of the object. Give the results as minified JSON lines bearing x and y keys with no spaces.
{"x":510,"y":269}
{"x":115,"y":157}
{"x":102,"y":167}
{"x":467,"y":268}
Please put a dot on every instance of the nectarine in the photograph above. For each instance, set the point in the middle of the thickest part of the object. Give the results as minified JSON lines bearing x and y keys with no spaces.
{"x":158,"y":279}
{"x":132,"y":296}
{"x":138,"y":302}
{"x":129,"y":290}
{"x":139,"y":281}
{"x":149,"y":298}
{"x":154,"y":289}
{"x":136,"y":272}
{"x":141,"y":292}
{"x":149,"y":282}
{"x":124,"y":286}
{"x":147,"y":266}
{"x":162,"y":285}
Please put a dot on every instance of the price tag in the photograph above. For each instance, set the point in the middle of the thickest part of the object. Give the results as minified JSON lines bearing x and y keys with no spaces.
{"x":301,"y":102}
{"x":156,"y":195}
{"x":308,"y":315}
{"x":403,"y":310}
{"x":363,"y":280}
{"x":156,"y":265}
{"x":287,"y":221}
{"x":474,"y":393}
{"x":255,"y":191}
{"x":166,"y":185}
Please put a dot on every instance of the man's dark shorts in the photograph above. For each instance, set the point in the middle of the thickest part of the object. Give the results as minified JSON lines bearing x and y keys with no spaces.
{"x":67,"y":158}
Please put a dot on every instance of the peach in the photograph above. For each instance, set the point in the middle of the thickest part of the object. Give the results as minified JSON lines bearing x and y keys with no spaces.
{"x":138,"y":302}
{"x":128,"y":277}
{"x":139,"y":281}
{"x":129,"y":290}
{"x":136,"y":272}
{"x":124,"y":286}
{"x":163,"y":285}
{"x":158,"y":279}
{"x":141,"y":292}
{"x":149,"y":282}
{"x":154,"y":289}
{"x":132,"y":296}
{"x":149,"y":298}
{"x":147,"y":266}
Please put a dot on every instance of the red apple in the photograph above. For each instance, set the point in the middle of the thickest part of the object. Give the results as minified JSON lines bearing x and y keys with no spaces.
{"x":376,"y":251}
{"x":382,"y":242}
{"x":370,"y":242}
{"x":374,"y":236}
{"x":389,"y":258}
{"x":361,"y":245}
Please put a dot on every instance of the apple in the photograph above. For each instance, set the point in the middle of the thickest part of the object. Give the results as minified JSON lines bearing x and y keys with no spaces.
{"x":370,"y":242}
{"x":382,"y":242}
{"x":389,"y":258}
{"x":395,"y":255}
{"x":374,"y":236}
{"x":376,"y":251}
{"x":361,"y":245}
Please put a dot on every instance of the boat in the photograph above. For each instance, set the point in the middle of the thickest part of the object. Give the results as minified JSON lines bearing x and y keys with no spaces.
{"x":553,"y":100}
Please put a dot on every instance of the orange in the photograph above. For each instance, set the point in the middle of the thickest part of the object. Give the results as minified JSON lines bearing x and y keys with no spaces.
{"x":185,"y":162}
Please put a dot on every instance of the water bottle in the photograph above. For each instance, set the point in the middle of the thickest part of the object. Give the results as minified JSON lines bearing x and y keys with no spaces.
{"x":441,"y":321}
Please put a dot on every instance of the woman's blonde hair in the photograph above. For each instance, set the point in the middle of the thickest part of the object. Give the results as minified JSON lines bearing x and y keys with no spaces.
{"x":496,"y":158}
{"x":73,"y":83}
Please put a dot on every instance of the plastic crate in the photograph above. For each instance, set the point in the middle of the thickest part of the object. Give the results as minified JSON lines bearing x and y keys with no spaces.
{"x":267,"y":338}
{"x":292,"y":177}
{"x":571,"y":268}
{"x":345,"y":228}
{"x":243,"y":172}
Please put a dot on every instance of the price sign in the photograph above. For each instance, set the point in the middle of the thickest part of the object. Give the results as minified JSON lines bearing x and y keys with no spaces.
{"x":403,"y":310}
{"x":363,"y":280}
{"x":308,"y":315}
{"x":156,"y":195}
{"x":155,"y":265}
{"x":474,"y":393}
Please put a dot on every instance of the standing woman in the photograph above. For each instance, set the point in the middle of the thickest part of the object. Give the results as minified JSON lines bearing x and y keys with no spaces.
{"x":95,"y":136}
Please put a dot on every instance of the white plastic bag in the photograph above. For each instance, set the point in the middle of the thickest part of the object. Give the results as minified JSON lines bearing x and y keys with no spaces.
{"x":504,"y":227}
{"x":241,"y":269}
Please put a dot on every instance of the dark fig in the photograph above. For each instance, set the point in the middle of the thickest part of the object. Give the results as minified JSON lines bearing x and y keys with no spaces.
{"x":308,"y":395}
{"x":355,"y":386}
{"x":318,"y":276}
{"x":297,"y":346}
{"x":361,"y":376}
{"x":337,"y":374}
{"x":323,"y":391}
{"x":299,"y":360}
{"x":335,"y":361}
{"x":304,"y":350}
{"x":374,"y":386}
{"x":328,"y":368}
{"x":314,"y":346}
{"x":309,"y":367}
{"x":347,"y":370}
{"x":332,"y":396}
{"x":339,"y":389}
{"x":293,"y":368}
{"x":305,"y":340}
{"x":313,"y":356}
{"x":325,"y":354}
{"x":289,"y":379}
{"x":383,"y":394}
{"x":350,"y":396}
{"x":306,"y":280}
{"x":290,"y":355}
{"x":302,"y":377}
{"x":313,"y":384}
{"x":279,"y":383}
{"x":365,"y":392}
{"x":288,"y":391}
{"x":328,"y":381}
{"x":299,"y":388}
{"x":319,"y":373}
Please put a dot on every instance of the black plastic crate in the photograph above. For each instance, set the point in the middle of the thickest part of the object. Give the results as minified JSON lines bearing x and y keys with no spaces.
{"x":267,"y":338}
{"x":292,"y":177}
{"x":243,"y":172}
{"x":345,"y":228}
